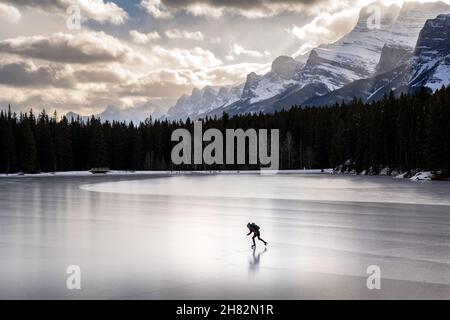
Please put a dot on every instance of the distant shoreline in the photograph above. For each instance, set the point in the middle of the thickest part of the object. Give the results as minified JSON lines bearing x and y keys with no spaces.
{"x":153,"y":173}
{"x":419,"y":176}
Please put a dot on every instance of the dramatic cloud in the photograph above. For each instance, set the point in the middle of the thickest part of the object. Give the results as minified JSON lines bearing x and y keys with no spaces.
{"x":23,"y":74}
{"x":167,"y":83}
{"x":183,"y":34}
{"x":27,"y":74}
{"x":144,"y":38}
{"x":163,"y":83}
{"x":238,"y":50}
{"x":230,"y":74}
{"x":9,"y":13}
{"x":196,"y":58}
{"x":178,"y":46}
{"x":216,"y":8}
{"x":98,"y":10}
{"x":325,"y":28}
{"x":156,"y":9}
{"x":87,"y":91}
{"x":84,"y":47}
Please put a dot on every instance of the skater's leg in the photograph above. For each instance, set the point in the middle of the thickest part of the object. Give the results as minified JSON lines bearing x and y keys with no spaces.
{"x":254,"y":244}
{"x":262,"y":240}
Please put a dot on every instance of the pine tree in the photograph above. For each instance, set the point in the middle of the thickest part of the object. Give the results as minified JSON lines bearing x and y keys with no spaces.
{"x":45,"y":144}
{"x":28,"y":152}
{"x":64,"y":151}
{"x":136,"y":152}
{"x":98,"y":151}
{"x":8,"y":158}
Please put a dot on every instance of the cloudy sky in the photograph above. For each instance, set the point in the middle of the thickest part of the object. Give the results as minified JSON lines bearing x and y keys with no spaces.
{"x":129,"y":52}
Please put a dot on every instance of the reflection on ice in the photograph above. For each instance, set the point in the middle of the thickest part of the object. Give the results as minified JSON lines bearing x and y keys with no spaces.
{"x":254,"y":261}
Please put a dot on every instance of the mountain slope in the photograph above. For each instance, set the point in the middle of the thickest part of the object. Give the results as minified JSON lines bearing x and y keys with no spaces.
{"x":363,"y":53}
{"x":328,"y":67}
{"x":428,"y":67}
{"x":203,"y":101}
{"x":365,"y":60}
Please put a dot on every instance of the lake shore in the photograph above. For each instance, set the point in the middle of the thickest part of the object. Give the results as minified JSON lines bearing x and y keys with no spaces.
{"x":159,"y":173}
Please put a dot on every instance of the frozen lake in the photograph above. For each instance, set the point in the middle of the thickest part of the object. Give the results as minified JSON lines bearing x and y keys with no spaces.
{"x":184,"y":237}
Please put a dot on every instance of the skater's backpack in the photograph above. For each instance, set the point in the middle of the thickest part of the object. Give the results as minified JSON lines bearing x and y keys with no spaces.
{"x":255,"y":227}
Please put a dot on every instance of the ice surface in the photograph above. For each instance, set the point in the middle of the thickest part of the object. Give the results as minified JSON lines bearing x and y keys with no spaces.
{"x":184,"y":237}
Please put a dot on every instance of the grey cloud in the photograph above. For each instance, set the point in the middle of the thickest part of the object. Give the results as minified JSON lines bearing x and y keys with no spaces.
{"x":99,"y":10}
{"x":215,"y":8}
{"x":25,"y":74}
{"x":88,"y":47}
{"x":239,"y":4}
{"x":37,"y":3}
{"x":156,"y":90}
{"x":99,"y":76}
{"x":9,"y":13}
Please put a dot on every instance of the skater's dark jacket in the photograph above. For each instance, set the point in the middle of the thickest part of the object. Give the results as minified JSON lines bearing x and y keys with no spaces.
{"x":252,"y":228}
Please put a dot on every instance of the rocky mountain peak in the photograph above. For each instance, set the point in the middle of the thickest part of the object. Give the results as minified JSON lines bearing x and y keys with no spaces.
{"x":392,"y":57}
{"x":313,"y":59}
{"x":410,"y":21}
{"x":365,"y":53}
{"x":251,"y":83}
{"x":434,"y":39}
{"x":285,"y":66}
{"x":196,"y":93}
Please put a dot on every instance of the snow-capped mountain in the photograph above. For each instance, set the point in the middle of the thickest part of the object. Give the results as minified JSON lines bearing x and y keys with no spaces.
{"x":328,"y":67}
{"x":283,"y":74}
{"x":212,"y":100}
{"x":331,"y":72}
{"x":428,"y":67}
{"x":203,"y":101}
{"x":134,"y":114}
{"x":282,"y":77}
{"x":354,"y":56}
{"x":410,"y":21}
{"x":431,"y":61}
{"x":404,"y":32}
{"x":363,"y":53}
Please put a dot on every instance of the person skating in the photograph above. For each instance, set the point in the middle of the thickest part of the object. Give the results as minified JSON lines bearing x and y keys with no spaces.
{"x":255,"y":229}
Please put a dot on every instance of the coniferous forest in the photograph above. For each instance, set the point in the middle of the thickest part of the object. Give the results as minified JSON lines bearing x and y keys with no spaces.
{"x":403,"y":133}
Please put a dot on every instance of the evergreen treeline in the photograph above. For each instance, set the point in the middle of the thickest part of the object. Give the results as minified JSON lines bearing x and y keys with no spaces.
{"x":408,"y":132}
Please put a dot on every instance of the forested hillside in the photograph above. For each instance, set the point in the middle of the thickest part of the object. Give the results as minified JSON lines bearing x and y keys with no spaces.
{"x":408,"y":132}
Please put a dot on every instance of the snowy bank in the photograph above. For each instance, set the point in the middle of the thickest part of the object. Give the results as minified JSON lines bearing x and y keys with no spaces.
{"x":349,"y":167}
{"x":423,"y":176}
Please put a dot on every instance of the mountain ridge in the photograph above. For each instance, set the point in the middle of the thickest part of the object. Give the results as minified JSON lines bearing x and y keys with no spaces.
{"x":361,"y":54}
{"x":429,"y":67}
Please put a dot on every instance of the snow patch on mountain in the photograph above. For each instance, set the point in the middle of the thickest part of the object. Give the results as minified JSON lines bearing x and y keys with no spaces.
{"x":429,"y":67}
{"x":354,"y":56}
{"x":410,"y":21}
{"x":282,"y":75}
{"x":431,"y":62}
{"x":337,"y":71}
